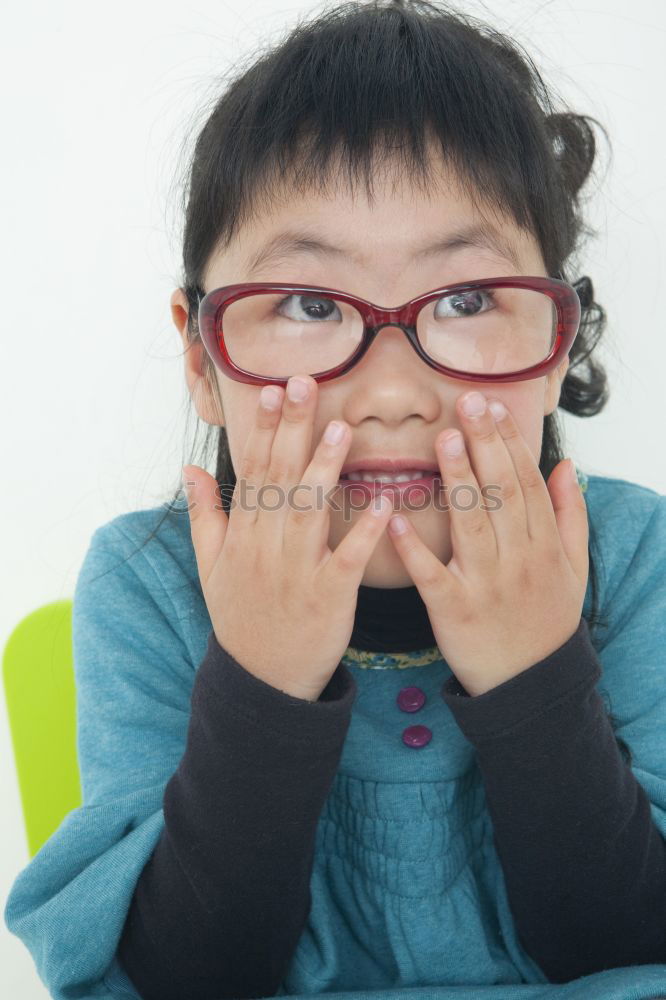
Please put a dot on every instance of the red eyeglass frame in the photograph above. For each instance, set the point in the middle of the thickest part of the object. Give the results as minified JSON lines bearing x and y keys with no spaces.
{"x":375,"y":318}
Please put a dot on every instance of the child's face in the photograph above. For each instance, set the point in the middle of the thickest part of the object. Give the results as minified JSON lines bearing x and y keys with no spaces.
{"x":392,"y":401}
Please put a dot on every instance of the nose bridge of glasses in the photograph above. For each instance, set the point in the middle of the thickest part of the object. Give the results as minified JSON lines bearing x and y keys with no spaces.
{"x":403,"y":317}
{"x":408,"y":332}
{"x":379,"y":317}
{"x":392,"y":319}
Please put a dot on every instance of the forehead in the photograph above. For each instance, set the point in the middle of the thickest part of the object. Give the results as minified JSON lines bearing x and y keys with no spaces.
{"x":400,"y":215}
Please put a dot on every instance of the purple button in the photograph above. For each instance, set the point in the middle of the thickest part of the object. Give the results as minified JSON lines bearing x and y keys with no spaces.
{"x":411,"y":699}
{"x":416,"y":736}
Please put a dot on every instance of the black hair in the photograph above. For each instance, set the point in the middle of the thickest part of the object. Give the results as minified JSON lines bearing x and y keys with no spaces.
{"x":366,"y":82}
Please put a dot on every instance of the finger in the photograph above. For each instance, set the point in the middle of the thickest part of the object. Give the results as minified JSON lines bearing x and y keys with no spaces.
{"x":306,"y":527}
{"x":495,"y":470}
{"x":435,"y":582}
{"x":243,"y":508}
{"x":472,"y":535}
{"x":570,"y":511}
{"x":208,"y":523}
{"x":540,"y":517}
{"x":346,"y":565}
{"x":290,"y":451}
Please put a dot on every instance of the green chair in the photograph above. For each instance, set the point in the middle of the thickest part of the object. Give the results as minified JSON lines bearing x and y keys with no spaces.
{"x":38,"y":672}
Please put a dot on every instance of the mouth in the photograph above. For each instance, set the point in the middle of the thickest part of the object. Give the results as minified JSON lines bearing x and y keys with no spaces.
{"x":376,"y":481}
{"x":382,"y":473}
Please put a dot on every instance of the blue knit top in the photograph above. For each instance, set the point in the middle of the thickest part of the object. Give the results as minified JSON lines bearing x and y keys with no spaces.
{"x":410,"y":893}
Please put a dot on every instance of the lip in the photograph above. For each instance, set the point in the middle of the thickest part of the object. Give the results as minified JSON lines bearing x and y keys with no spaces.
{"x":389,"y":465}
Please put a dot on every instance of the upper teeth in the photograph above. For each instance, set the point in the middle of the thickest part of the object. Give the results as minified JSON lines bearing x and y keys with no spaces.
{"x":370,"y":477}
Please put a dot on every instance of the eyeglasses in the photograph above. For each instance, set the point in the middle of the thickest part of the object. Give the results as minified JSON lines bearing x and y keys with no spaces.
{"x":489,"y":330}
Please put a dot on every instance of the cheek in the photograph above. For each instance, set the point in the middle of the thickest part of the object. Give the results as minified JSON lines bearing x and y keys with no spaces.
{"x":241,"y":403}
{"x":526,"y":408}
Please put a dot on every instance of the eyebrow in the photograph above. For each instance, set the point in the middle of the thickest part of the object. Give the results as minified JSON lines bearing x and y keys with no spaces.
{"x":290,"y":243}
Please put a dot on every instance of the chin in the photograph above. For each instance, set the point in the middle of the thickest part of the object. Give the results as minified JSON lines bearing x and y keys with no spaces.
{"x":385,"y":567}
{"x":386,"y":578}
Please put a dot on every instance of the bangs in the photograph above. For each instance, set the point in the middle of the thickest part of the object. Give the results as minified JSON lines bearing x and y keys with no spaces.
{"x":313,"y":166}
{"x":403,"y":94}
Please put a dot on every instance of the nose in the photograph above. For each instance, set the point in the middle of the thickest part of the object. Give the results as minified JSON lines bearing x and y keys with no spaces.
{"x":391,"y":339}
{"x":393,"y":325}
{"x":398,"y":332}
{"x":391,"y":364}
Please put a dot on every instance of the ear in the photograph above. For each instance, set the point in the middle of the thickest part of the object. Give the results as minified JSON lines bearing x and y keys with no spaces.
{"x":206,"y":398}
{"x":554,"y":382}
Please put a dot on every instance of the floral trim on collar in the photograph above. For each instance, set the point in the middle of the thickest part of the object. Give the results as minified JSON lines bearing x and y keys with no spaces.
{"x":365,"y":658}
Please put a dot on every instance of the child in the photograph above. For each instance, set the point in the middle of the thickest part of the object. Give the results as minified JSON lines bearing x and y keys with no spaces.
{"x":318,"y":755}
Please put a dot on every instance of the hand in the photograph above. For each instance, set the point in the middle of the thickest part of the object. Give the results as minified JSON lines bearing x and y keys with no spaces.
{"x":513,"y":591}
{"x":280,"y":601}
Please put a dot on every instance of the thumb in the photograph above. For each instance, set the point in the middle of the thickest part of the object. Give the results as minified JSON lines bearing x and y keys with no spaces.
{"x":208,"y":522}
{"x":571,"y":515}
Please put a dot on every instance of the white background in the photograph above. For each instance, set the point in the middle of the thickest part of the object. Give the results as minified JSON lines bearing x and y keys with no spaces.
{"x":97,"y":101}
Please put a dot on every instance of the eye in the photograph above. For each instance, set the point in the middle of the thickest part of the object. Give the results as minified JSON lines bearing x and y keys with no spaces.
{"x":466,"y":302}
{"x":303,"y":307}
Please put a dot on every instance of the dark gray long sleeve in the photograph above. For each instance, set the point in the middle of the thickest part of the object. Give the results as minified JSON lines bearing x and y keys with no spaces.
{"x":220,"y":906}
{"x":584,"y":862}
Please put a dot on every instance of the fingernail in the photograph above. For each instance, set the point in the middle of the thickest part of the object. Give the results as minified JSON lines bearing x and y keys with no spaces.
{"x":497,"y":409}
{"x":453,"y":445}
{"x":398,"y":525}
{"x":297,"y":389}
{"x":270,"y":397}
{"x":334,"y":433}
{"x":474,"y":404}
